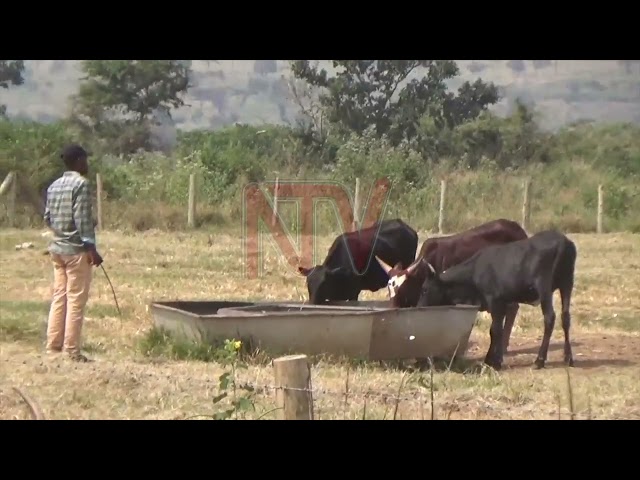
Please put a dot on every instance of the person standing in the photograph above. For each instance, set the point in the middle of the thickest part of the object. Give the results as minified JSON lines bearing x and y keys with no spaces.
{"x":72,"y":249}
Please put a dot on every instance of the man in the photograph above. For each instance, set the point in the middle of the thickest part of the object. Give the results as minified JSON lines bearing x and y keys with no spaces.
{"x":73,"y":251}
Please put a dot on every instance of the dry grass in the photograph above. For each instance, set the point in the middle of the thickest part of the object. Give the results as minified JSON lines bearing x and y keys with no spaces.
{"x":123,"y":383}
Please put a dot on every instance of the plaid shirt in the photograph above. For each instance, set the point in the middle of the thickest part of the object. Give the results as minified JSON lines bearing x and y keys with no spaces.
{"x":68,"y":213}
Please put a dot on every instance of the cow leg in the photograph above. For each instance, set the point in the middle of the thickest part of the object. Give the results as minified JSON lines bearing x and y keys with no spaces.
{"x":495,"y":353}
{"x":546,"y":304}
{"x":565,"y":296}
{"x":509,"y":319}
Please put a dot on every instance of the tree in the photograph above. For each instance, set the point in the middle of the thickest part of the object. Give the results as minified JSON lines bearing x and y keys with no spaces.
{"x":262,"y":67}
{"x":136,"y":88}
{"x":539,"y":64}
{"x":517,"y":66}
{"x":477,"y":67}
{"x":11,"y":74}
{"x":366,"y":93}
{"x":119,"y":100}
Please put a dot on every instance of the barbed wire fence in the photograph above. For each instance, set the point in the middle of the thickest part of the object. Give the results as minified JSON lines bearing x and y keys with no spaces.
{"x":522,"y":189}
{"x":297,"y":396}
{"x":301,"y":403}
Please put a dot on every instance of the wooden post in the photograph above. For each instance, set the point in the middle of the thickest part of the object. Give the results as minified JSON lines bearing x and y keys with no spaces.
{"x":526,"y":204}
{"x":293,"y":372}
{"x":13,"y":196}
{"x":7,"y":183}
{"x":356,"y":207}
{"x":99,"y":200}
{"x":443,"y":192}
{"x":191,"y":213}
{"x":600,"y":207}
{"x":275,"y":202}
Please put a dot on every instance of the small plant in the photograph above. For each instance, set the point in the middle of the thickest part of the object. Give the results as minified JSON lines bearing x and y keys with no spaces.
{"x":239,"y":402}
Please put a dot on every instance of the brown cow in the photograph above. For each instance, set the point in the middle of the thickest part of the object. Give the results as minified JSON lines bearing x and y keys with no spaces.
{"x":442,"y":252}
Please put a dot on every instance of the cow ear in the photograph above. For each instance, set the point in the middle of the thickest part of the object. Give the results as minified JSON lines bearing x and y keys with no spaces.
{"x":304,"y":271}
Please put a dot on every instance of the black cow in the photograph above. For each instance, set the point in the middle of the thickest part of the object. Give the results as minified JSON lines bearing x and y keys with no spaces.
{"x":350,"y":266}
{"x":526,"y":271}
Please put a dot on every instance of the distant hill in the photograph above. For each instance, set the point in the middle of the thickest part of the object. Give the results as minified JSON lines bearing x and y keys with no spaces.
{"x":255,"y":91}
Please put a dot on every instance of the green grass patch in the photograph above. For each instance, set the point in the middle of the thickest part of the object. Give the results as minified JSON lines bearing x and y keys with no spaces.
{"x":158,"y":343}
{"x":22,"y":321}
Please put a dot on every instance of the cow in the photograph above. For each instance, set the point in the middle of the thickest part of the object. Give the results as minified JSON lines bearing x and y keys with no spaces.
{"x":526,"y":271}
{"x":349,"y":267}
{"x":442,"y":252}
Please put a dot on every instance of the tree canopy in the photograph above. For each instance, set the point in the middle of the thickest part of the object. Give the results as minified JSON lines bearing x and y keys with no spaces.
{"x":133,"y":87}
{"x":11,"y":74}
{"x":118,"y":101}
{"x":370,"y":93}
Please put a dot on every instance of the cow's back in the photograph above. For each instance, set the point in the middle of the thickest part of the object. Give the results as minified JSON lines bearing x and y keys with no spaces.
{"x":396,"y":242}
{"x":511,"y":270}
{"x":444,"y":252}
{"x":392,"y":240}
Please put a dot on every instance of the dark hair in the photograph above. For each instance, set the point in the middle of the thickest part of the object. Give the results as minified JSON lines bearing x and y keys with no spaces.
{"x":71,"y":153}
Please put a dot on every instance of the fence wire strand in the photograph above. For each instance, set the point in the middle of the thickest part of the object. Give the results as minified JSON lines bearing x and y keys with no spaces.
{"x":261,"y":389}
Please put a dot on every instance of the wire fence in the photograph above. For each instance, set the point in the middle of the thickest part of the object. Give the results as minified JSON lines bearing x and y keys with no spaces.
{"x":444,"y":206}
{"x":295,"y":395}
{"x":409,"y":395}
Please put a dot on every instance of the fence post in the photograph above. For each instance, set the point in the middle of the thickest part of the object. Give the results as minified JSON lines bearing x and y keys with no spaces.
{"x":443,"y":192}
{"x":293,"y":372}
{"x":274,"y":217}
{"x":99,"y":200}
{"x":600,"y":207}
{"x":526,"y":204}
{"x":356,"y":207}
{"x":13,"y":197}
{"x":7,"y":182}
{"x":191,"y":213}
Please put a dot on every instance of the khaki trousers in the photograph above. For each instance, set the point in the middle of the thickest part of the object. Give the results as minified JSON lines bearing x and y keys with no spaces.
{"x":71,"y":282}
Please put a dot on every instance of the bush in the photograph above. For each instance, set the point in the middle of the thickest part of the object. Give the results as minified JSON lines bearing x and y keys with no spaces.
{"x":484,"y":161}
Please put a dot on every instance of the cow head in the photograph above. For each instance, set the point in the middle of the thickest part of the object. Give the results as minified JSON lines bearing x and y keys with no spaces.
{"x":438,"y":290}
{"x":433,"y":291}
{"x":404,"y":284}
{"x":325,"y":283}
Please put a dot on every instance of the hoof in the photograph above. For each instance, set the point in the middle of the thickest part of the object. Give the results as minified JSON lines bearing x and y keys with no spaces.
{"x":539,"y":364}
{"x":569,"y":361}
{"x":495,"y":366}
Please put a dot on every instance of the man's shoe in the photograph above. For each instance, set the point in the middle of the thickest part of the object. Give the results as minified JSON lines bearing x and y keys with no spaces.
{"x":78,"y":357}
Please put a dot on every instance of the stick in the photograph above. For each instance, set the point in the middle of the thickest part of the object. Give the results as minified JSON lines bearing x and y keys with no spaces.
{"x":36,"y":413}
{"x":112,"y":290}
{"x":99,"y":200}
{"x":346,"y":394}
{"x":395,"y":410}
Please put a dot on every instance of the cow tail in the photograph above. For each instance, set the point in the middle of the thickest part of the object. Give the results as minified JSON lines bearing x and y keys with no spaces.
{"x":565,"y":259}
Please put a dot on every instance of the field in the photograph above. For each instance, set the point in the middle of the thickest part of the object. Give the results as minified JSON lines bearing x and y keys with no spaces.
{"x":138,"y":375}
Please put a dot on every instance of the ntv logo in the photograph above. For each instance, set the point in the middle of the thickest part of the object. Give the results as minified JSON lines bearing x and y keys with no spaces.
{"x":258,"y":208}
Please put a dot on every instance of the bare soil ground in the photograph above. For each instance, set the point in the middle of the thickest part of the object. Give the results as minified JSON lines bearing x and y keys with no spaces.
{"x":123,"y":382}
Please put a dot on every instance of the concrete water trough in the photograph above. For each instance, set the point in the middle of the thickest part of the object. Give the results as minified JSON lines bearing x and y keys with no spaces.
{"x":366,"y":329}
